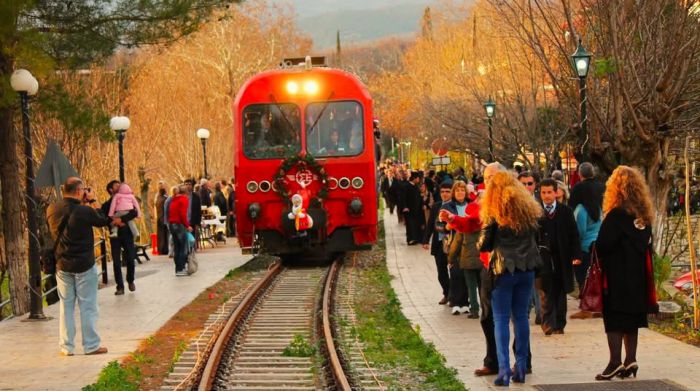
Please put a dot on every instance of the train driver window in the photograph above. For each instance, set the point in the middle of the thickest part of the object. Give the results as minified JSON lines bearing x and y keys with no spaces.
{"x":271,"y":130}
{"x":334,"y":129}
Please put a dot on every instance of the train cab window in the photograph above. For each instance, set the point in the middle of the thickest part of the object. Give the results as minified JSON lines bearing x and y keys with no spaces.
{"x":271,"y":130}
{"x":334,"y":129}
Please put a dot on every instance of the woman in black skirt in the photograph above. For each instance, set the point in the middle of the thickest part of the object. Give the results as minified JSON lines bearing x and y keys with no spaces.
{"x":624,"y":249}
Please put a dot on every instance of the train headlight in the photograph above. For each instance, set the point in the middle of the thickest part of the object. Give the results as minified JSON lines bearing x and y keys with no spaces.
{"x":311,"y":87}
{"x":265,"y":186}
{"x":252,"y":187}
{"x":254,"y":210}
{"x":344,"y":183}
{"x":332,"y":183}
{"x":355,"y":207}
{"x":292,"y":87}
{"x":357,"y":182}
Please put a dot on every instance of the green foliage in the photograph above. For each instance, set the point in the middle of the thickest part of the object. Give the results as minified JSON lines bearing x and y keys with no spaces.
{"x":605,"y":66}
{"x":390,"y":340}
{"x":81,"y":116}
{"x":181,"y":346}
{"x":662,"y":271}
{"x":299,"y":347}
{"x":116,"y":377}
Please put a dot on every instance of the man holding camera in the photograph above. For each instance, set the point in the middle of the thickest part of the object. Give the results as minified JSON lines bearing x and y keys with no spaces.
{"x":71,"y":221}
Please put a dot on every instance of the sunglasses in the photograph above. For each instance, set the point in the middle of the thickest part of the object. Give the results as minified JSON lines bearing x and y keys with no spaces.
{"x":528,"y":183}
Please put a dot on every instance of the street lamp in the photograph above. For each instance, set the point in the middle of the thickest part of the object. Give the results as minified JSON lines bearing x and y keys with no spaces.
{"x":26,"y":85}
{"x":203,"y":135}
{"x":490,"y":107}
{"x":582,"y":61}
{"x":120,"y":125}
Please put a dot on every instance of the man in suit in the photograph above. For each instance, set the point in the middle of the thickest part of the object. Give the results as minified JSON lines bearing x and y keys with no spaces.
{"x":560,"y":249}
{"x":434,"y":232}
{"x":396,"y":192}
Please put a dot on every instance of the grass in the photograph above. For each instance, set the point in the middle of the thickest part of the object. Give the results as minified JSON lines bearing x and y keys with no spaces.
{"x":154,"y":359}
{"x":117,"y":377}
{"x":390,"y":340}
{"x":299,"y":347}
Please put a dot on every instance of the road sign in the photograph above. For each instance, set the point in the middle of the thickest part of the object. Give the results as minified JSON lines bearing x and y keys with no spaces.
{"x":440,"y":146}
{"x":441,"y":160}
{"x":54,"y":169}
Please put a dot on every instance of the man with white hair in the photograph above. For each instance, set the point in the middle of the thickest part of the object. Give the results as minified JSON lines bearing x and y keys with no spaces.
{"x":205,"y":192}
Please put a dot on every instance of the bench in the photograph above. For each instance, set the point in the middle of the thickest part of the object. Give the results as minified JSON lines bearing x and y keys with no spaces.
{"x":141,"y":252}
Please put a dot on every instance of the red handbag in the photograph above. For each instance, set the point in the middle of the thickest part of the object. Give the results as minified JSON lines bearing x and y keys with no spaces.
{"x":592,"y":292}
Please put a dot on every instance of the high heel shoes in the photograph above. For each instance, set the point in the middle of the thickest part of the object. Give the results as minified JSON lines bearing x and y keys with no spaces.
{"x":630,"y":369}
{"x":610,"y":372}
{"x":503,"y":378}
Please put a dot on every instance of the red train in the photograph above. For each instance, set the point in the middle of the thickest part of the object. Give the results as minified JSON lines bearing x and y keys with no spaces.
{"x":307,"y":130}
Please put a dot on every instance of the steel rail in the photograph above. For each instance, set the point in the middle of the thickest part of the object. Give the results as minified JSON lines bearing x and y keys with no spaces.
{"x":209,"y":374}
{"x":336,"y":367}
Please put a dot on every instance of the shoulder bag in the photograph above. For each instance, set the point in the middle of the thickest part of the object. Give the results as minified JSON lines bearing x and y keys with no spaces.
{"x":592,"y":292}
{"x":47,"y":258}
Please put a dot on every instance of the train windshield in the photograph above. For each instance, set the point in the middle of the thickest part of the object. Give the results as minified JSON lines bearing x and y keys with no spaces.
{"x":271,"y":130}
{"x":334,"y":129}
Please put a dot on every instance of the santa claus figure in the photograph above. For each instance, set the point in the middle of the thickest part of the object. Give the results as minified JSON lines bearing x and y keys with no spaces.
{"x":302,"y":221}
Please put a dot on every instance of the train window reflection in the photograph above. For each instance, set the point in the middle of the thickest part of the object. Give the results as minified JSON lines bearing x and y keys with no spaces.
{"x":334,"y":128}
{"x":271,"y":130}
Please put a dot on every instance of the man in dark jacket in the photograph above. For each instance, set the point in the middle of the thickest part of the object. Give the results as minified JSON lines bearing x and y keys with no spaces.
{"x":220,"y":199}
{"x":194,"y":213}
{"x":76,"y":273}
{"x":396,"y":192}
{"x":434,"y":232}
{"x":204,"y":193}
{"x":559,"y":248}
{"x":413,"y":210}
{"x":122,"y":245}
{"x":231,"y":206}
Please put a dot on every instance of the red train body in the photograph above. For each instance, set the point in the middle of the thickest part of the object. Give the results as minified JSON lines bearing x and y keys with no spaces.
{"x":309,"y":131}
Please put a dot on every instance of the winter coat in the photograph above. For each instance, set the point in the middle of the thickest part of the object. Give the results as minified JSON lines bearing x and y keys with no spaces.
{"x":621,"y":247}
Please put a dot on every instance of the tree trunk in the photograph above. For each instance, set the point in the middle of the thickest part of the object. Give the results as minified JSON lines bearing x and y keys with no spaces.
{"x":16,"y":249}
{"x":145,"y":200}
{"x":659,"y":183}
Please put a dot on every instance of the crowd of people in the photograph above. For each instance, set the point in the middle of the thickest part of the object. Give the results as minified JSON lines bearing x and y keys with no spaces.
{"x":71,"y":222}
{"x":507,"y":241}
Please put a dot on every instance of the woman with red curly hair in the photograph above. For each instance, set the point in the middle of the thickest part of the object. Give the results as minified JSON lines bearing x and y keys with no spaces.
{"x":623,"y":247}
{"x":510,"y":219}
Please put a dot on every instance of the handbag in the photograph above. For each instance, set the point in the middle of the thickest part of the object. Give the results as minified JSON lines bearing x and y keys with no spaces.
{"x":447,"y":242}
{"x":47,"y":258}
{"x":192,"y":264}
{"x":592,"y":292}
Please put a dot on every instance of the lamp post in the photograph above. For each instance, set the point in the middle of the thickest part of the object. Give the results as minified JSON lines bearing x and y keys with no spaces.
{"x":120,"y":125}
{"x":26,"y":85}
{"x":582,"y":61}
{"x":490,"y":107}
{"x":203,"y":135}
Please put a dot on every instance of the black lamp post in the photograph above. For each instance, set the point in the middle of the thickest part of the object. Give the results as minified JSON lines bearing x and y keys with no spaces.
{"x":490,"y":107}
{"x":582,"y":61}
{"x":203,"y":135}
{"x":120,"y":125}
{"x":26,"y":85}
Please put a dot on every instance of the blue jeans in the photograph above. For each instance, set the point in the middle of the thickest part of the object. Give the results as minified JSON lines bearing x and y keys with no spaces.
{"x":179,"y":234}
{"x":511,"y":295}
{"x":83,"y":288}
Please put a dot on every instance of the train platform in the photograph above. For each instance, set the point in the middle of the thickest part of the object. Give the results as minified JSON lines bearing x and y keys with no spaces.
{"x":572,"y":358}
{"x":30,"y":359}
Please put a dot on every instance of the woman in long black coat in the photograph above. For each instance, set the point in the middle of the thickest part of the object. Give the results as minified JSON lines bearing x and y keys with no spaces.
{"x":623,"y":246}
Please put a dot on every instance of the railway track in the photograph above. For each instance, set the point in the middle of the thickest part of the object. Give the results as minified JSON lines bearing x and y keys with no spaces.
{"x":288,"y":308}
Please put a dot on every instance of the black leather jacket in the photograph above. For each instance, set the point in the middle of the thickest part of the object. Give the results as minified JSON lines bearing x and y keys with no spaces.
{"x":516,"y":250}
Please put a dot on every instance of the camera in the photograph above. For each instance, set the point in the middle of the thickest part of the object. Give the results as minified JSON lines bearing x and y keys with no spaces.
{"x":85,"y":193}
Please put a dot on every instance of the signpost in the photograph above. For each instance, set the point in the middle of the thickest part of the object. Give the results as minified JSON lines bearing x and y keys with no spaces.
{"x":54,"y":169}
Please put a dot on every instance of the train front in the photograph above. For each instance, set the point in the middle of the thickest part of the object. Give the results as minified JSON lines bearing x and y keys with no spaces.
{"x":305,"y":163}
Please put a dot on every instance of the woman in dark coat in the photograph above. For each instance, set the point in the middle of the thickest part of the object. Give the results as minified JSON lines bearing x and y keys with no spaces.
{"x":623,"y":246}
